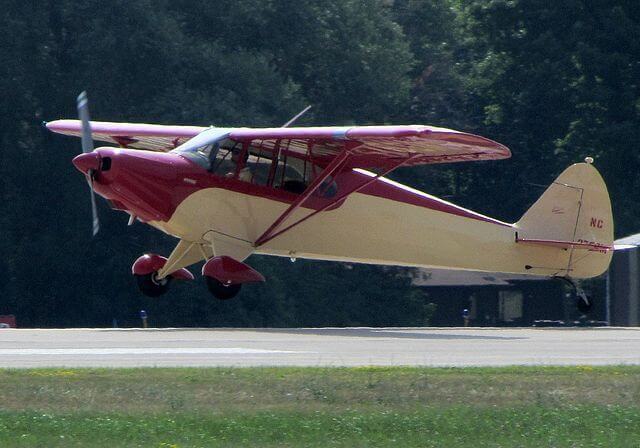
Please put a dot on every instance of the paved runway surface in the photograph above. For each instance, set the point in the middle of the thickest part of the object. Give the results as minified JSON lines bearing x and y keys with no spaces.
{"x":318,"y":347}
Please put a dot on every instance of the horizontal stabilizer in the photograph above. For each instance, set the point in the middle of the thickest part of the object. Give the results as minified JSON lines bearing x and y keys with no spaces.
{"x":625,"y":246}
{"x":567,"y":244}
{"x":628,"y":242}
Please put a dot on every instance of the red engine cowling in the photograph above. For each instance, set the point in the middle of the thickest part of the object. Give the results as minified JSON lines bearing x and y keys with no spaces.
{"x":149,"y":263}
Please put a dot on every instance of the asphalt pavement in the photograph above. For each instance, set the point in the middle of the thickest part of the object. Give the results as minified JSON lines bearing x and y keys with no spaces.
{"x":318,"y":347}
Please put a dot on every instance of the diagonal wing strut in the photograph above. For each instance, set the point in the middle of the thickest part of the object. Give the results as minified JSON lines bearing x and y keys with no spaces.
{"x":336,"y":164}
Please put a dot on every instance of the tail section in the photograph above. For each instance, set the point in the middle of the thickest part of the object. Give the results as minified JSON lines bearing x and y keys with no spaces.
{"x":573,"y":214}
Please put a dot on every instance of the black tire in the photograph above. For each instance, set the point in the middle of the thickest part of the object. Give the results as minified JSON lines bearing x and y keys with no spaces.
{"x":584,"y":306}
{"x":222,"y":291}
{"x":151,"y":287}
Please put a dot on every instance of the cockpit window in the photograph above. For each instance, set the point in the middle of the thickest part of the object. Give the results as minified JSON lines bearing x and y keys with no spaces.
{"x":220,"y":157}
{"x":253,"y":162}
{"x":289,"y":176}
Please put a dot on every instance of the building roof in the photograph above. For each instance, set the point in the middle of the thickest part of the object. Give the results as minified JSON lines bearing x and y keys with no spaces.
{"x":446,"y":277}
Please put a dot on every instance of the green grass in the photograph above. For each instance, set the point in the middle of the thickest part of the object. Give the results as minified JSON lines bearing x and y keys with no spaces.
{"x":497,"y":407}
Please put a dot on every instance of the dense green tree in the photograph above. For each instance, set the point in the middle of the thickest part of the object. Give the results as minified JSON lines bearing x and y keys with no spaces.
{"x":555,"y":82}
{"x":438,"y":90}
{"x":605,"y":91}
{"x":348,"y":56}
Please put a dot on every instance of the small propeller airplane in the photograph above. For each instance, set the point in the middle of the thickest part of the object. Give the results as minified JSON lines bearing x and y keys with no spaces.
{"x":321,"y":193}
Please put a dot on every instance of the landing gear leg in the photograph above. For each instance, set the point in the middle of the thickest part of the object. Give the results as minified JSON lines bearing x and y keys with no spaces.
{"x":584,"y":303}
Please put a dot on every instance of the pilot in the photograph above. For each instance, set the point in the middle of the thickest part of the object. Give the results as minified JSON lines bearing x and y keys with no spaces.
{"x":212,"y":156}
{"x":245,"y":173}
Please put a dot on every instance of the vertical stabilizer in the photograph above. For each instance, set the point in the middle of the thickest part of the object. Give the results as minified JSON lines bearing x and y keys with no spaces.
{"x":574,"y":212}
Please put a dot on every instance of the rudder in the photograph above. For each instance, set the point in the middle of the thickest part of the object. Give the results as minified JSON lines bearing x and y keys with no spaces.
{"x":575,"y":210}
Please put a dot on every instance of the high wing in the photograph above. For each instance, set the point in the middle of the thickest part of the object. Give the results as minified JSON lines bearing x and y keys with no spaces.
{"x":368,"y":146}
{"x":380,"y":146}
{"x":153,"y":137}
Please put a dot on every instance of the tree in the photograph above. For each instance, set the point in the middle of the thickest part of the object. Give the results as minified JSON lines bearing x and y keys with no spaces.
{"x":539,"y":75}
{"x":348,"y":57}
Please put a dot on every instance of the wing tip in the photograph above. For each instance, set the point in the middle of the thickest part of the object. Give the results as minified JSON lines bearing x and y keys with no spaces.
{"x":61,"y":125}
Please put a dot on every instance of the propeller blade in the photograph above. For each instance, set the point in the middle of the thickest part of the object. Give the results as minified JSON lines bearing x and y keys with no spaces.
{"x":87,"y":146}
{"x":83,"y":114}
{"x":94,"y":208}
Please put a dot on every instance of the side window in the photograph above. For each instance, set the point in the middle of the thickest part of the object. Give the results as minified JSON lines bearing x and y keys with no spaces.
{"x":234,"y":159}
{"x":295,"y":175}
{"x":328,"y":188}
{"x":263,"y":162}
{"x":289,"y":177}
{"x":222,"y":164}
{"x":259,"y":168}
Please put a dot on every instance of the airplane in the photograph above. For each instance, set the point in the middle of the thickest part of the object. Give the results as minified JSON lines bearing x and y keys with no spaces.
{"x":322,"y":193}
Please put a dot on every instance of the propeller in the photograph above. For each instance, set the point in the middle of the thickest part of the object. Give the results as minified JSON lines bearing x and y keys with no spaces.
{"x":87,"y":147}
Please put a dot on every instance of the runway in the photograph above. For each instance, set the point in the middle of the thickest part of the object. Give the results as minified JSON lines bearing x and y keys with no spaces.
{"x":330,"y":347}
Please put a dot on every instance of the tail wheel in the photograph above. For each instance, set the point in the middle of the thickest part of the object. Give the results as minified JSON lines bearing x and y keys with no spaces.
{"x":584,"y":303}
{"x":222,"y":291}
{"x":151,"y":286}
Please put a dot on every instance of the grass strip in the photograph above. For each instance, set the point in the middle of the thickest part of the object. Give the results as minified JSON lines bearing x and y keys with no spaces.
{"x":496,"y":407}
{"x":459,"y":426}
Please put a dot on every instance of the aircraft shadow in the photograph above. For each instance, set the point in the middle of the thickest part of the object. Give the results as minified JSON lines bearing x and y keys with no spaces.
{"x":343,"y":332}
{"x":380,"y":333}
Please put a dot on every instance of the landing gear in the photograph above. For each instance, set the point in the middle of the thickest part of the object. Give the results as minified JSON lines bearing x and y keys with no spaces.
{"x":151,"y":286}
{"x":584,"y":303}
{"x":222,"y":291}
{"x":147,"y":270}
{"x":225,"y":276}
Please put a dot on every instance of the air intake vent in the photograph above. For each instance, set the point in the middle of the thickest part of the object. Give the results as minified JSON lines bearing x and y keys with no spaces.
{"x":106,"y":164}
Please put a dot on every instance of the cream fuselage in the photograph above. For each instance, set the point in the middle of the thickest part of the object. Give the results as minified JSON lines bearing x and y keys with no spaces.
{"x":372,"y":229}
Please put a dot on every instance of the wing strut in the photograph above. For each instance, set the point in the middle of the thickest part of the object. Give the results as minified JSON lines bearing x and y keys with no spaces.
{"x":338,"y":162}
{"x":335,"y":164}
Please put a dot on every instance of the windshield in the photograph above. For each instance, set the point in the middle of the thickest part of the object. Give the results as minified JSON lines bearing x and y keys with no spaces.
{"x":208,"y":149}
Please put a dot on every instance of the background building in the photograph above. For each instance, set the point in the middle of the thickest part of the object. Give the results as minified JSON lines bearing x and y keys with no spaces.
{"x":496,"y":300}
{"x":623,"y":292}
